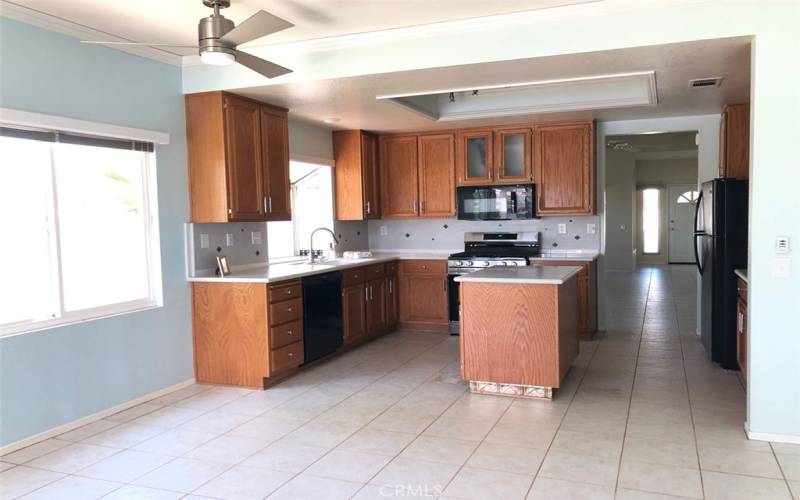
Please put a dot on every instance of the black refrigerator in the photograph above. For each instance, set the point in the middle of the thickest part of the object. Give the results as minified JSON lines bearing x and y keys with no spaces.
{"x":720,"y":248}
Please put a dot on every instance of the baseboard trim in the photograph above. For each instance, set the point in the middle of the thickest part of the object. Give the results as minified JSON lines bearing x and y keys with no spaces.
{"x":61,"y":429}
{"x":766,"y":436}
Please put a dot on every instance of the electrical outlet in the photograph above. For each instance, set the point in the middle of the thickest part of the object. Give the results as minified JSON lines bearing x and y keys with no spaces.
{"x":255,"y":237}
{"x":562,"y":229}
{"x":229,"y":239}
{"x":591,"y":228}
{"x":384,"y":231}
{"x":623,"y":227}
{"x":203,"y":240}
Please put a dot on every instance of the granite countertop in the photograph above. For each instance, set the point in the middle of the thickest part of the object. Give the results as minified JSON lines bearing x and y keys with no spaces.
{"x":742,"y":273}
{"x":266,"y":273}
{"x":529,"y":275}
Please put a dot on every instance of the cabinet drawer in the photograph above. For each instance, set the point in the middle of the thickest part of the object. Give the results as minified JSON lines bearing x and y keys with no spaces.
{"x":286,"y":311}
{"x":391,"y":268}
{"x":375,"y":271}
{"x":287,"y":291}
{"x":424,"y":267}
{"x":354,"y":276}
{"x":286,"y":358}
{"x":285,"y":334}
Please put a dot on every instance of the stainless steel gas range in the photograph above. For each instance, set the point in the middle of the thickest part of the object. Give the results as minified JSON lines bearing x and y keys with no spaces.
{"x":482,"y":250}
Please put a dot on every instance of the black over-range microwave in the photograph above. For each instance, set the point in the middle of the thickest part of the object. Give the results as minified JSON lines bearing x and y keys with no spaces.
{"x":512,"y":202}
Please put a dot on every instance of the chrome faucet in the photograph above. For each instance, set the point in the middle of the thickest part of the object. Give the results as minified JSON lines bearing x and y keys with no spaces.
{"x":311,"y":257}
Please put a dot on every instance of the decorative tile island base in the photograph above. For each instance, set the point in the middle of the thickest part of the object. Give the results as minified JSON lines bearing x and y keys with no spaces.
{"x":519,"y":329}
{"x":514,"y":390}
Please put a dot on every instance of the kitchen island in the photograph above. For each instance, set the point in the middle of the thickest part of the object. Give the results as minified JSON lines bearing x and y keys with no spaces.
{"x":519,"y":329}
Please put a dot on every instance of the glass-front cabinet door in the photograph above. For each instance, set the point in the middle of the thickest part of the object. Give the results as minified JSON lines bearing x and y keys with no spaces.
{"x":513,"y":155}
{"x":474,"y":157}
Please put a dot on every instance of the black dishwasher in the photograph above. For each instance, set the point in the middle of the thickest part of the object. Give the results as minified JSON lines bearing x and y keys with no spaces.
{"x":322,"y":315}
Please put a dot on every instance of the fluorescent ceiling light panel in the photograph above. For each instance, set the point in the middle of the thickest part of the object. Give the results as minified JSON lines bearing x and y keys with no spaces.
{"x":547,"y":96}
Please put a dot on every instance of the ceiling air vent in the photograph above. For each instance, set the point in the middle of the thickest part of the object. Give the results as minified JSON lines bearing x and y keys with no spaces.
{"x":698,"y":83}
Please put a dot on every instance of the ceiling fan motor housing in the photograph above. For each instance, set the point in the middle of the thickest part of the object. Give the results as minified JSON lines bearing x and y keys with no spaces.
{"x":210,"y":30}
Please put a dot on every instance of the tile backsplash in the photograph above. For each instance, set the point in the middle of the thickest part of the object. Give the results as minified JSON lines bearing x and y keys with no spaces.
{"x":243,"y":250}
{"x":448,"y":234}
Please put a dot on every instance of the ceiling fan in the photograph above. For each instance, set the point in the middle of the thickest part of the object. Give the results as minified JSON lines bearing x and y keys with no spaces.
{"x":218,"y":38}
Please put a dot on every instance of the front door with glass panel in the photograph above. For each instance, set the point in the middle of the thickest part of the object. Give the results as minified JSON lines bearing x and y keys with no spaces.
{"x":682,"y":199}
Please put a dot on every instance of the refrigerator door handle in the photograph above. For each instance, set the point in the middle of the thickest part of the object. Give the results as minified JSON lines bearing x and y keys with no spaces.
{"x":697,"y":236}
{"x":698,"y":204}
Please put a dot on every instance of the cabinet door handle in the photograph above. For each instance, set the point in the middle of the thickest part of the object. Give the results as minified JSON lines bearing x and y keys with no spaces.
{"x":265,"y":204}
{"x":270,"y":204}
{"x":421,"y":206}
{"x":366,"y":294}
{"x":368,"y":207}
{"x":390,"y":287}
{"x":444,"y":286}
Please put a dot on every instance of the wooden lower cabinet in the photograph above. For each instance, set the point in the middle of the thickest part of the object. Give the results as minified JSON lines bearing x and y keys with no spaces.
{"x":368,"y":299}
{"x":246,"y":333}
{"x":354,"y":312}
{"x":423,"y":295}
{"x":587,"y":295}
{"x":741,"y":326}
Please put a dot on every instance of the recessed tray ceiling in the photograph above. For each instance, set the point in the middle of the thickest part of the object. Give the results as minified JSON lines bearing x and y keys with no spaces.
{"x":545,"y":96}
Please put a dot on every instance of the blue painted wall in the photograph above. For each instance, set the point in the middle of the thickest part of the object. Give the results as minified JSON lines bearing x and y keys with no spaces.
{"x":55,"y":376}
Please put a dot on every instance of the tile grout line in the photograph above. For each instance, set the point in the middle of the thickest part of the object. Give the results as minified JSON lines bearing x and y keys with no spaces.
{"x":633,"y":383}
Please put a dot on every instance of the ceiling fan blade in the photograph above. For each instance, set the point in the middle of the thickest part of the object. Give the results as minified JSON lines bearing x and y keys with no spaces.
{"x":262,"y":66}
{"x":262,"y":23}
{"x":97,"y":42}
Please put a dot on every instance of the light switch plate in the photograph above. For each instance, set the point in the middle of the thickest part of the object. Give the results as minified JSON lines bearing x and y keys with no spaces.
{"x":229,"y":239}
{"x":203,"y":240}
{"x":255,"y":237}
{"x":384,"y":231}
{"x":591,"y":228}
{"x":562,"y":229}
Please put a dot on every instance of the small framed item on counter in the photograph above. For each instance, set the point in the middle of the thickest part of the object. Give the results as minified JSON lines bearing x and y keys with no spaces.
{"x":222,"y":265}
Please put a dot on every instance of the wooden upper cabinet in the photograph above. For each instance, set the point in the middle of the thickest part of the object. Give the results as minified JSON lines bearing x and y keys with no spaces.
{"x":399,"y":176}
{"x":356,"y":171}
{"x":474,"y":157}
{"x":436,"y":180}
{"x":564,"y":169}
{"x":275,"y":147}
{"x":244,"y":162}
{"x":512,"y":153}
{"x":238,"y":159}
{"x":734,"y":141}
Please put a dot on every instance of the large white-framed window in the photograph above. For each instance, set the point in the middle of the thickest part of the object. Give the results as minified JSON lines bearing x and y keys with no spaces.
{"x":312,"y":207}
{"x":79,"y":219}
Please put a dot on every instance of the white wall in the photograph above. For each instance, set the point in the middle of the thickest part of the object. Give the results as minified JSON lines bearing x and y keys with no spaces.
{"x":620,"y":223}
{"x":310,"y":143}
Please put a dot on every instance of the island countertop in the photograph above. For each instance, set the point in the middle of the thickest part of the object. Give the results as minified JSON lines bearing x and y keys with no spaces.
{"x":531,"y":275}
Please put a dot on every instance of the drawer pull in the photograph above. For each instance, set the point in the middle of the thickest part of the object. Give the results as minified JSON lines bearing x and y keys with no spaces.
{"x":289,"y":309}
{"x":289,"y":291}
{"x":291,"y":354}
{"x":289,"y":332}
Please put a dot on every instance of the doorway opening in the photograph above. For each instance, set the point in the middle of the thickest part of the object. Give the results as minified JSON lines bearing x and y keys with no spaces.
{"x":651,"y":188}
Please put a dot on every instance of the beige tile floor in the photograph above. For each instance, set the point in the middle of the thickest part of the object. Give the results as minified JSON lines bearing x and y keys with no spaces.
{"x":642,"y":415}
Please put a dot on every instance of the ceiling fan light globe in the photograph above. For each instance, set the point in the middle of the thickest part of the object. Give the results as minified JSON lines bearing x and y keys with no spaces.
{"x":217,"y":58}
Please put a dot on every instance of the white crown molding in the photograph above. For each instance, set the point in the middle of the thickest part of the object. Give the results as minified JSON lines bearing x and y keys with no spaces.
{"x":81,"y":32}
